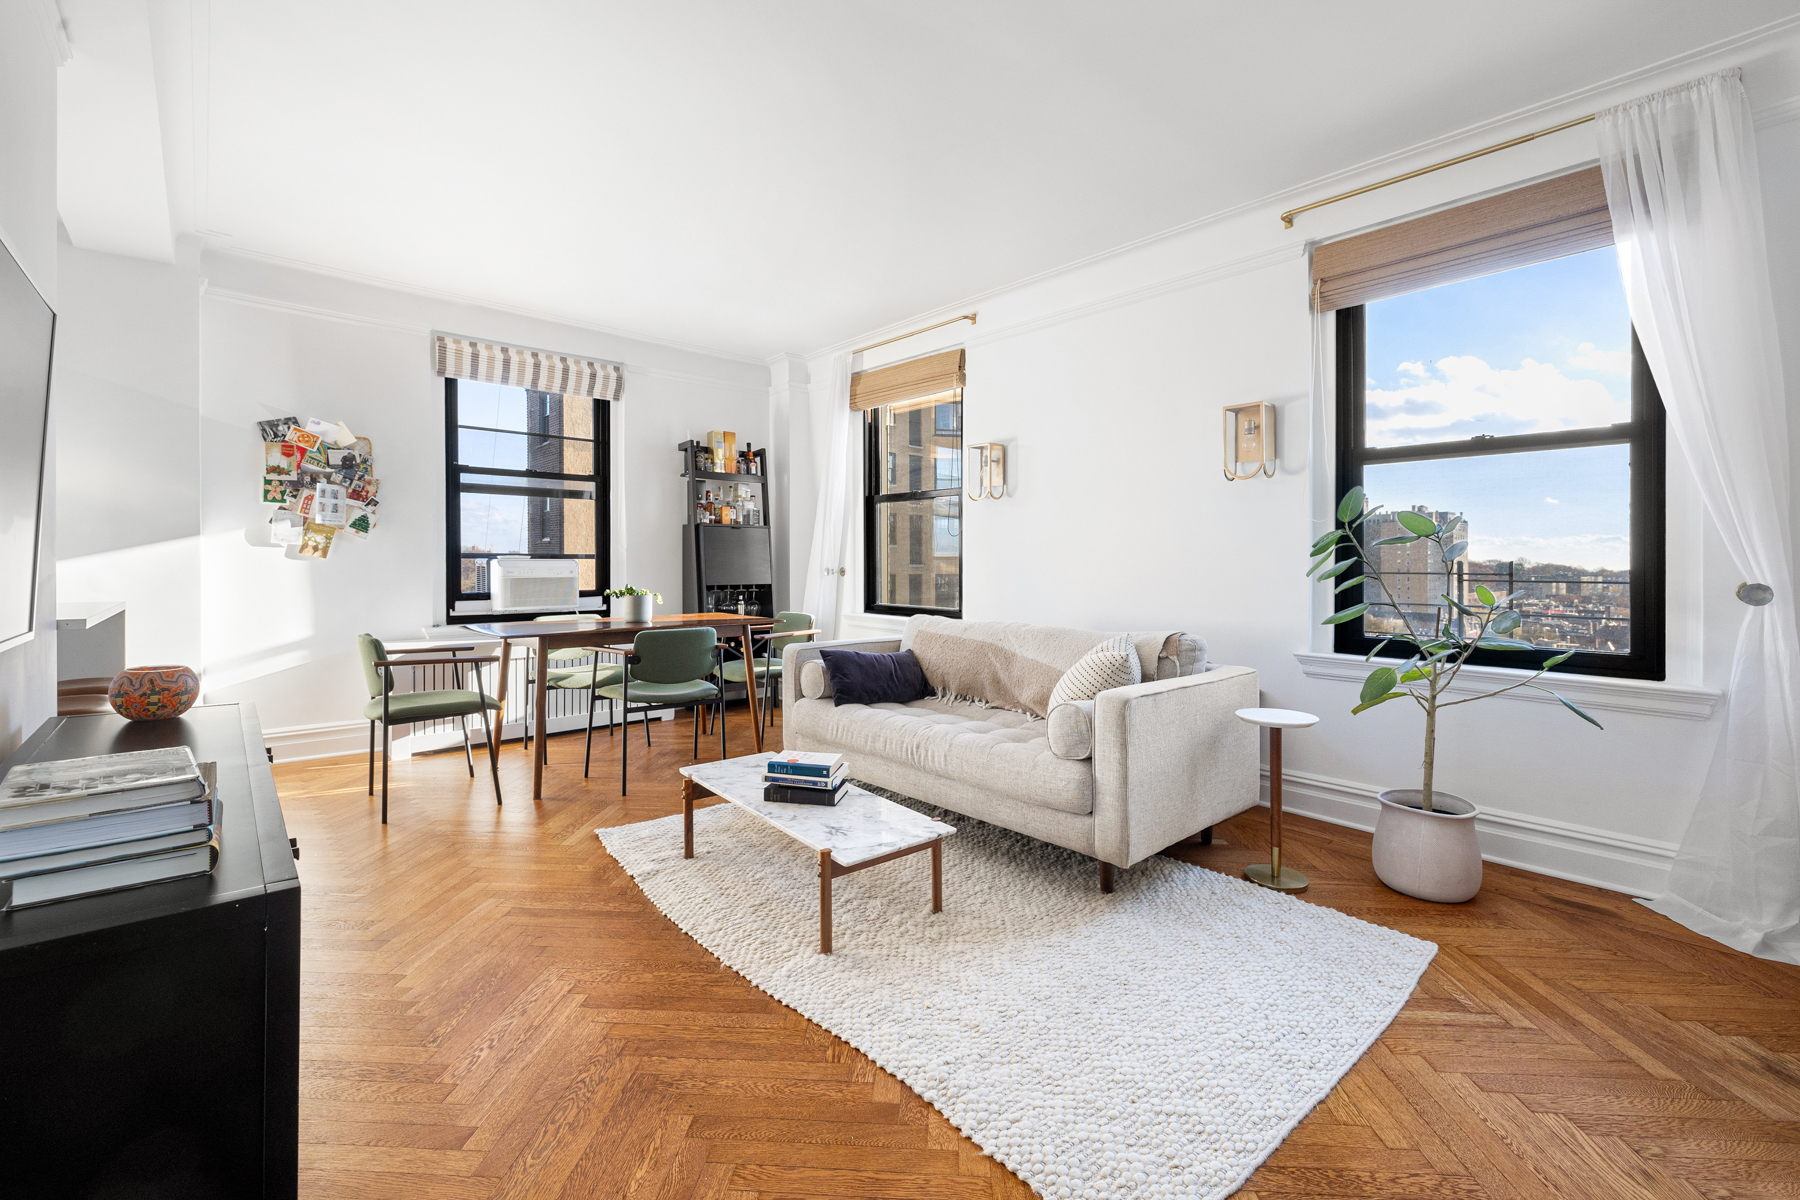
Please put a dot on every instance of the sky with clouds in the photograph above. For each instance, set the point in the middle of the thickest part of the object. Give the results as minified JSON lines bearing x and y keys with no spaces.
{"x":1538,"y":348}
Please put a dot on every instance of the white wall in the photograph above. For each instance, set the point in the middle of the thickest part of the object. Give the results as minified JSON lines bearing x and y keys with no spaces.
{"x":204,"y":349}
{"x":128,"y":461}
{"x":28,"y":229}
{"x":1105,"y":382}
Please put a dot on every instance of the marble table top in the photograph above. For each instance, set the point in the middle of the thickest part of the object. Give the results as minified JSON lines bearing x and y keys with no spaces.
{"x":859,"y":827}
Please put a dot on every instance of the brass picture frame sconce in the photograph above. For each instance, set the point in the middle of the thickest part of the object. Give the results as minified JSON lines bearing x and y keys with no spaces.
{"x":989,"y":476}
{"x":1250,"y":440}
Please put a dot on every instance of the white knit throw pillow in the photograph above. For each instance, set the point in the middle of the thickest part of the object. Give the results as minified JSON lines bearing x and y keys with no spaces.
{"x":1111,"y":664}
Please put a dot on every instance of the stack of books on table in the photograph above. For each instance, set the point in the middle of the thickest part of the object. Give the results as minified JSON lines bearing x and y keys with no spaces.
{"x":79,"y":826}
{"x":799,"y":777}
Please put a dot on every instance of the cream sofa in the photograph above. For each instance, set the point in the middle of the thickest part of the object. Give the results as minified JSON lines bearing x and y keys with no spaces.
{"x":1168,"y":759}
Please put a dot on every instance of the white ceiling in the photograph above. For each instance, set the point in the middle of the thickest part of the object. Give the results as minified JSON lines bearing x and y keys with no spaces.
{"x":769,"y":176}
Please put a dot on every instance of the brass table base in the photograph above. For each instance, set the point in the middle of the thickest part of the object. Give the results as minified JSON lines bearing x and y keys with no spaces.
{"x":1287,"y":880}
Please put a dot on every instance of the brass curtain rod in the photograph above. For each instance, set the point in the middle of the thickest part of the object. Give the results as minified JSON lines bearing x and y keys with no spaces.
{"x":969,"y":317}
{"x":1287,"y":218}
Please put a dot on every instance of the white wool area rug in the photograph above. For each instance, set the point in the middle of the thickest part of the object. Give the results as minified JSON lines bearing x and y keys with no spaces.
{"x":1156,"y":1042}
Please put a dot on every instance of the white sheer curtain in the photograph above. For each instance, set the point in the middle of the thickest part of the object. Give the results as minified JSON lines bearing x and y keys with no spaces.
{"x":1681,"y":181}
{"x":830,"y":554}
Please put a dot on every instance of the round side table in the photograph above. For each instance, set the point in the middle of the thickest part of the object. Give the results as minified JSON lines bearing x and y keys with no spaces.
{"x":1273,"y":874}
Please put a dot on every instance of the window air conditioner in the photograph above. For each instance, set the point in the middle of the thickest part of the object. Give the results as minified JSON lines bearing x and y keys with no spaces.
{"x":521,"y":584}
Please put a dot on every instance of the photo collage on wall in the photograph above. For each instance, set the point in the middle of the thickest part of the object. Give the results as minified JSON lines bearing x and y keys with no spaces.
{"x":321,"y":478}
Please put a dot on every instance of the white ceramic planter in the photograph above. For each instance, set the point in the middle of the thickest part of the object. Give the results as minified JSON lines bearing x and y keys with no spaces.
{"x":1431,"y":855}
{"x":634,"y":608}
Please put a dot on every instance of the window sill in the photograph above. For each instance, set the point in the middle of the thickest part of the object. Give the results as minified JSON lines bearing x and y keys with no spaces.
{"x":1642,"y":696}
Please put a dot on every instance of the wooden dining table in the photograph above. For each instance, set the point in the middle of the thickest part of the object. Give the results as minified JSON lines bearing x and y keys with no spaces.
{"x":578,"y":632}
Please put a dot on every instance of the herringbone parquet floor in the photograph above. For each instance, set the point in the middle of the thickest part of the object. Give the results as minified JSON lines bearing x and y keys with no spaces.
{"x":492,"y":1009}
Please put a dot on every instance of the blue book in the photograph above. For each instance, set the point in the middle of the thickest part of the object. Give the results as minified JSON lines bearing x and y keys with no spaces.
{"x":806,"y":781}
{"x":805,"y":764}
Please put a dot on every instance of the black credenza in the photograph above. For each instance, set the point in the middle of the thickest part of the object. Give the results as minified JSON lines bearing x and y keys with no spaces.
{"x":150,"y":1039}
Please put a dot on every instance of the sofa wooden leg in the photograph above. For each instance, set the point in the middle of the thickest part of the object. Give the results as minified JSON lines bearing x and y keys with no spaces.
{"x":1206,"y":836}
{"x":1106,"y":882}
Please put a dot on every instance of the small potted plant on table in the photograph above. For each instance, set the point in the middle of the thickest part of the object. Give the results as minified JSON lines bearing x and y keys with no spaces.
{"x":632,"y":604}
{"x":1425,"y":838}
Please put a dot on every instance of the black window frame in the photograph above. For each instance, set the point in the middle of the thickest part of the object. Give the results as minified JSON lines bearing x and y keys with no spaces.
{"x":601,"y":478}
{"x":1644,"y":433}
{"x":874,"y":499}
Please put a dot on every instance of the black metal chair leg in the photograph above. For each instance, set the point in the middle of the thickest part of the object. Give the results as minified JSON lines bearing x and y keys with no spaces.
{"x":489,"y":732}
{"x":587,"y":752}
{"x":696,"y":715}
{"x":468,"y":751}
{"x":646,"y":727}
{"x":371,"y":758}
{"x":625,"y":740}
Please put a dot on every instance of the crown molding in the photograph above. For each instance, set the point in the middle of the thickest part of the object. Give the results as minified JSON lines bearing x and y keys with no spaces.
{"x":1494,"y":128}
{"x":215,"y":245}
{"x":56,"y":34}
{"x":424,"y":332}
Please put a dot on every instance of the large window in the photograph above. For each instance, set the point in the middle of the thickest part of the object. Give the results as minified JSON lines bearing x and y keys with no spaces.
{"x":526,"y":473}
{"x":1517,"y":408}
{"x":913,"y":506}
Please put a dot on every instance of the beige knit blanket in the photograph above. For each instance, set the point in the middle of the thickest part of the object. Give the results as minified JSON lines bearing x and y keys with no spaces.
{"x":1009,"y":664}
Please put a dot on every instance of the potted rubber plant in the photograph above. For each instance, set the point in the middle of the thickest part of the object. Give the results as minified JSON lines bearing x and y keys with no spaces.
{"x":632,"y":604}
{"x":1424,"y":837}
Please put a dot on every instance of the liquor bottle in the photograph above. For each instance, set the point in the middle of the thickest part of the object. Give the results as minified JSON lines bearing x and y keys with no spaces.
{"x":699,"y":510}
{"x":712,"y":510}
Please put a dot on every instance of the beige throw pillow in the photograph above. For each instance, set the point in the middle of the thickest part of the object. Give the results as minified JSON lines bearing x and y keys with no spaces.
{"x":1111,"y":664}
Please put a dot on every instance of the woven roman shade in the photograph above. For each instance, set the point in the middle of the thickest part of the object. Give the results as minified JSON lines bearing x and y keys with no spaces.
{"x":516,"y":366}
{"x":928,"y":376}
{"x":1565,"y":215}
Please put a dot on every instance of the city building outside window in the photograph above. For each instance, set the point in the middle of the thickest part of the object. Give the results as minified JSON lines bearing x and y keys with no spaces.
{"x":525,"y":473}
{"x":1516,"y":406}
{"x":913,"y":506}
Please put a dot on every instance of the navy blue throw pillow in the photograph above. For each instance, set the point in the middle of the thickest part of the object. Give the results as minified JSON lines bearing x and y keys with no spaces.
{"x":859,"y":678}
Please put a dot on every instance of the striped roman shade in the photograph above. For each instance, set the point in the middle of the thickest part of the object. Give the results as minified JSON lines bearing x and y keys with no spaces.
{"x":1565,"y":215}
{"x":515,"y":366}
{"x":929,"y":376}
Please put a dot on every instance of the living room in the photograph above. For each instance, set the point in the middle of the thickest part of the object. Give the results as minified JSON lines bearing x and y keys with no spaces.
{"x":995,"y":331}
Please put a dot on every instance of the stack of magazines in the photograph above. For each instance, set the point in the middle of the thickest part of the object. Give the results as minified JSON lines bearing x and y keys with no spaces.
{"x":802,"y":777}
{"x":78,"y":826}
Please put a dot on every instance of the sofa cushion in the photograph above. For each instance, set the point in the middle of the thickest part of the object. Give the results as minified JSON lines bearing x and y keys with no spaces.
{"x":814,"y":683}
{"x":860,"y":678}
{"x":1004,"y":752}
{"x":1111,"y":664}
{"x":1071,"y":729}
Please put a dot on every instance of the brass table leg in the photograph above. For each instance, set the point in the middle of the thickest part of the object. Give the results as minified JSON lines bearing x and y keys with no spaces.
{"x":1273,"y":874}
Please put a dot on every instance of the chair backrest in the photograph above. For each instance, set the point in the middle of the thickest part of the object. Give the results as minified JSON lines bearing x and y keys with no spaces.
{"x":674,"y":655}
{"x":373,"y":651}
{"x":785,"y":621}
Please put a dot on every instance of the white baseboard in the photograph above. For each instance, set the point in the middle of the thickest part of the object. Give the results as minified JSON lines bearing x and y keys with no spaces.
{"x":333,"y":739}
{"x":1615,"y":861}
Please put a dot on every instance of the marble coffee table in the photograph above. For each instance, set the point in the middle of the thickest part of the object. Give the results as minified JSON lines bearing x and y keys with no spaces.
{"x":862,"y":830}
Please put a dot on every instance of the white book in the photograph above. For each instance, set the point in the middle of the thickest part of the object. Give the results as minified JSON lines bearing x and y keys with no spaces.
{"x":107,"y":876}
{"x":101,"y":783}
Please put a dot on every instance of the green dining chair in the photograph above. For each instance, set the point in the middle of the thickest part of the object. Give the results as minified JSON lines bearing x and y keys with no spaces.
{"x":667,"y":668}
{"x":768,"y":663}
{"x":391,"y":708}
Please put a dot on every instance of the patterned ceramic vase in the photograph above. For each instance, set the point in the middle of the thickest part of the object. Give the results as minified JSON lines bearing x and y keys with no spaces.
{"x":153,"y":693}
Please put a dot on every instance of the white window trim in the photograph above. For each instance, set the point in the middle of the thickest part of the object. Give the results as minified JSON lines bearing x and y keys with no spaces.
{"x":1641,"y":696}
